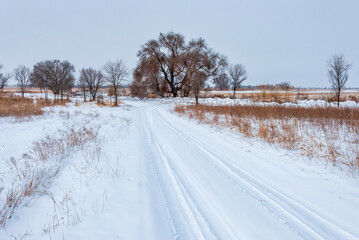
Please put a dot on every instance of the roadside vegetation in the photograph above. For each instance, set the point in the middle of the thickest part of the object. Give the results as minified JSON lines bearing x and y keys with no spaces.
{"x":22,"y":108}
{"x":328,"y":133}
{"x":34,"y":172}
{"x":18,"y":107}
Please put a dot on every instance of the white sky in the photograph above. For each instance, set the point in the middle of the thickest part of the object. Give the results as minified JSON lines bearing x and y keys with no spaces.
{"x":277,"y":40}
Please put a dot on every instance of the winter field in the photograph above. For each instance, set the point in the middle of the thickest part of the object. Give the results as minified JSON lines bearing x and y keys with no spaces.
{"x":166,"y":169}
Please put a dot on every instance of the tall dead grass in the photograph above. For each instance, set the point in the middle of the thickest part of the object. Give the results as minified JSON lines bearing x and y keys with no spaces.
{"x":35,"y":171}
{"x":18,"y":107}
{"x":329,"y":133}
{"x":283,"y":96}
{"x":273,"y":96}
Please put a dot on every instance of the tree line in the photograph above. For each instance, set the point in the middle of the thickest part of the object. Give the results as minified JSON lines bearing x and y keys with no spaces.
{"x":58,"y":77}
{"x":167,"y":66}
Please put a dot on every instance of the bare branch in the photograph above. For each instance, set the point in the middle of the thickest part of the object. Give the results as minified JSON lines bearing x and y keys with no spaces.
{"x":4,"y":78}
{"x":116,"y":73}
{"x":22,"y":76}
{"x":338,"y":68}
{"x":238,"y":74}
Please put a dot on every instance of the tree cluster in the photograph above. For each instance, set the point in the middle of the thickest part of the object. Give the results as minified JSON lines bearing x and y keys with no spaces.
{"x":91,"y":80}
{"x":55,"y":75}
{"x":170,"y":66}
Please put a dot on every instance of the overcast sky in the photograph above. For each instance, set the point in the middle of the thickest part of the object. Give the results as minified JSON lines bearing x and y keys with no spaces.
{"x":277,"y":40}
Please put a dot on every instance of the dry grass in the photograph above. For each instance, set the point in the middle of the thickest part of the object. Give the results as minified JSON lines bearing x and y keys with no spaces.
{"x":101,"y":102}
{"x":277,"y":112}
{"x":50,"y":102}
{"x":273,"y":96}
{"x":281,"y":96}
{"x":24,"y":108}
{"x":329,"y":133}
{"x":108,"y":104}
{"x":36,"y":170}
{"x":18,"y":107}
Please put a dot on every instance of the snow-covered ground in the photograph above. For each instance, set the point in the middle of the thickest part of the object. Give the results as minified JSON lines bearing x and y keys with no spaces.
{"x":249,"y":101}
{"x":151,"y":174}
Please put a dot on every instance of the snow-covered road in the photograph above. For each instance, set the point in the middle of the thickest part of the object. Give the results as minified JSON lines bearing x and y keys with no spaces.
{"x":213,"y":189}
{"x":181,"y":180}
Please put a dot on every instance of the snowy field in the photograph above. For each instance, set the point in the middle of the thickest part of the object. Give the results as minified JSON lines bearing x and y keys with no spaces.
{"x":143,"y":172}
{"x":248,"y":101}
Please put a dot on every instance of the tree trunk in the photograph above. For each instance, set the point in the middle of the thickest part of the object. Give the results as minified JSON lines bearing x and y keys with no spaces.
{"x":115,"y":90}
{"x":196,"y":96}
{"x":62,"y":96}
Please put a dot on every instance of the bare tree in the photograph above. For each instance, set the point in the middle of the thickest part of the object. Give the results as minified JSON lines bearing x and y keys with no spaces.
{"x":22,"y":76}
{"x":238,"y":74}
{"x":116,"y":73}
{"x":221,"y":81}
{"x":338,"y":68}
{"x":4,"y":78}
{"x":54,"y":75}
{"x":169,"y":63}
{"x":284,"y":86}
{"x":92,"y":80}
{"x":166,"y":55}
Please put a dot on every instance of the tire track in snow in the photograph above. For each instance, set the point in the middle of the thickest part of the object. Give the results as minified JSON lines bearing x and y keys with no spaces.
{"x":145,"y":130}
{"x":172,"y":157}
{"x":297,"y":217}
{"x":196,"y":222}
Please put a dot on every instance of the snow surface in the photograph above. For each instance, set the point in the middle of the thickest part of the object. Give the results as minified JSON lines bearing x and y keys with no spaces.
{"x":160,"y":176}
{"x":248,"y":101}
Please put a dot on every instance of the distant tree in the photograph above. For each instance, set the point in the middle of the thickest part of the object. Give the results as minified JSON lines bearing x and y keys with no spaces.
{"x":4,"y":78}
{"x":162,"y":59}
{"x":22,"y":76}
{"x":238,"y":74}
{"x":284,"y":86}
{"x":221,"y":81}
{"x":169,"y":64}
{"x":92,"y":80}
{"x":116,"y":73}
{"x":338,"y":68}
{"x":54,"y":75}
